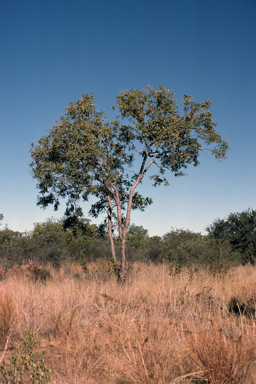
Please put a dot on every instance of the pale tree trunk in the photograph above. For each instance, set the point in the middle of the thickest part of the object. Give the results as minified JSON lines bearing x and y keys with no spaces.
{"x":128,"y":214}
{"x":119,"y":213}
{"x":110,"y":232}
{"x":123,"y":231}
{"x":123,"y":259}
{"x":121,"y":235}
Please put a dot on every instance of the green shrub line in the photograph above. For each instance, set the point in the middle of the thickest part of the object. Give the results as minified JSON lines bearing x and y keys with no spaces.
{"x":229,"y":243}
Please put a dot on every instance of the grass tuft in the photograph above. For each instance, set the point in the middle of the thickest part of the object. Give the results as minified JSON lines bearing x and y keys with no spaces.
{"x":224,"y":353}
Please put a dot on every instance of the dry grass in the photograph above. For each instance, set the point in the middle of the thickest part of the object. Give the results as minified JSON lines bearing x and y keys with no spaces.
{"x":154,"y":329}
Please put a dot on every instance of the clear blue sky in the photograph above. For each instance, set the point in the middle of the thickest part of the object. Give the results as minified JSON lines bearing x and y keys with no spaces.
{"x":54,"y":51}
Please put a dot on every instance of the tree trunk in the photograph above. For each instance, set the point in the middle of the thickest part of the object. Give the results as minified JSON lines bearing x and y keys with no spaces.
{"x":110,"y":232}
{"x":122,"y":274}
{"x":112,"y":245}
{"x":125,"y":229}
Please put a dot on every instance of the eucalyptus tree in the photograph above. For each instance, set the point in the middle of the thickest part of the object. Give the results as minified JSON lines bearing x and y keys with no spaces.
{"x":84,"y":154}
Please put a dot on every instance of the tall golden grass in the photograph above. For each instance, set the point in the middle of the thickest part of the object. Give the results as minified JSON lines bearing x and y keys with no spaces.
{"x":153,"y":329}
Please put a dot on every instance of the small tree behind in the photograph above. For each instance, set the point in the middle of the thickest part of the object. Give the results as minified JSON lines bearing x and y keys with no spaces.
{"x":84,"y":155}
{"x":137,"y":236}
{"x":240,"y":230}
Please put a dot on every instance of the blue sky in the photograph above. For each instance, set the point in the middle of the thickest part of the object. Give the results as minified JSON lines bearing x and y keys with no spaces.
{"x":54,"y":51}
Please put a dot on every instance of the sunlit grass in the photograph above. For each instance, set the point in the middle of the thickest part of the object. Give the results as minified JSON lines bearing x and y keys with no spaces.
{"x":153,"y":329}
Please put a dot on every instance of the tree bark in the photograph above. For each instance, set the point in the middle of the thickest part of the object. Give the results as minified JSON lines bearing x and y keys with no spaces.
{"x":119,"y":213}
{"x":122,"y":274}
{"x":110,"y":232}
{"x":124,"y":230}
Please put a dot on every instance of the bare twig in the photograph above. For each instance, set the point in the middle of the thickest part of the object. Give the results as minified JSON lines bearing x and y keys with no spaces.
{"x":188,"y":375}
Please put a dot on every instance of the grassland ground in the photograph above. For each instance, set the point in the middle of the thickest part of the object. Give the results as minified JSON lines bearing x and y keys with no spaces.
{"x":155,"y":328}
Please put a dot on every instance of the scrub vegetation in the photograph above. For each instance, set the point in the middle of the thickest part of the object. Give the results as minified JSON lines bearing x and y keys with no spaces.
{"x":185,"y":314}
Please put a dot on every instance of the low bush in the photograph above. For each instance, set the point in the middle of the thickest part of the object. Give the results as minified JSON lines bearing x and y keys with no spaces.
{"x":24,"y":366}
{"x":203,"y":252}
{"x":40,"y":272}
{"x":107,"y":268}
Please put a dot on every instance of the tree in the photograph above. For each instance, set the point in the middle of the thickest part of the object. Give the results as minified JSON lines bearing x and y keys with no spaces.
{"x":154,"y":249}
{"x":10,"y":250}
{"x":240,"y":230}
{"x":137,"y":236}
{"x":174,"y":239}
{"x":85,"y":155}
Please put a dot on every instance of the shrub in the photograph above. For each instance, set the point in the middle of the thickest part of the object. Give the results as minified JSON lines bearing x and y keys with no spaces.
{"x":107,"y":268}
{"x":82,"y":261}
{"x":95,"y":249}
{"x":24,"y":366}
{"x":53,"y":254}
{"x":40,"y":273}
{"x":202,"y":251}
{"x":240,"y":230}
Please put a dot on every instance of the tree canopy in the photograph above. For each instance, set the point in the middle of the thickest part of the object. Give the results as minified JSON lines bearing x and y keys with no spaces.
{"x":85,"y":155}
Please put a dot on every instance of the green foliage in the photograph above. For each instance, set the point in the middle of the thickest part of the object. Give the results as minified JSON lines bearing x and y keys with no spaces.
{"x":154,"y":249}
{"x":142,"y":247}
{"x":10,"y":247}
{"x":107,"y":267}
{"x":24,"y":366}
{"x":48,"y":233}
{"x":240,"y":230}
{"x":137,"y":236}
{"x":82,"y":261}
{"x":175,"y":238}
{"x":94,"y":249}
{"x":200,"y":251}
{"x":43,"y":244}
{"x":169,"y":137}
{"x":172,"y":241}
{"x":49,"y":242}
{"x":80,"y":228}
